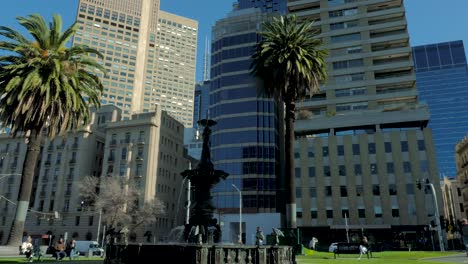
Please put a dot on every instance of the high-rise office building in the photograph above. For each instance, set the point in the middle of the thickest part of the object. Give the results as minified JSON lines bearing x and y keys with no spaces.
{"x":363,"y":142}
{"x":150,"y":54}
{"x":442,"y":80}
{"x":245,"y":142}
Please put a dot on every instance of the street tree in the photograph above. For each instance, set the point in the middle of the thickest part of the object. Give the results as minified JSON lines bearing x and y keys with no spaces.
{"x":120,"y":201}
{"x":290,"y":61}
{"x":44,"y":85}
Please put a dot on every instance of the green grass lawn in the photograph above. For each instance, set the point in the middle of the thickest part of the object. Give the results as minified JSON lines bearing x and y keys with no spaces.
{"x":395,"y":257}
{"x":47,"y":260}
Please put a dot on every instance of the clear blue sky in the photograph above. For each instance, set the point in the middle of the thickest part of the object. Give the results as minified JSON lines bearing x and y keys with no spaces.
{"x":429,"y":21}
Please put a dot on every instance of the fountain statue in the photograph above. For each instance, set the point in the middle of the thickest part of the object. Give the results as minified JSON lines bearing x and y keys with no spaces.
{"x":203,"y":178}
{"x":198,"y":241}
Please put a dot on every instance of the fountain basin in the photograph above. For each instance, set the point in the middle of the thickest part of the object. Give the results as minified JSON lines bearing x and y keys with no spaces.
{"x":199,"y":254}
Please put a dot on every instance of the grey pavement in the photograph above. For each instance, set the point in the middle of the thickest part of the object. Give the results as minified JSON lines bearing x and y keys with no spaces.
{"x":457,"y":258}
{"x":7,"y":251}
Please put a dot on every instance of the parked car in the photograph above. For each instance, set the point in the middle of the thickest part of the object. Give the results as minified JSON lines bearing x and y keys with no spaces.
{"x":333,"y":247}
{"x":89,"y":247}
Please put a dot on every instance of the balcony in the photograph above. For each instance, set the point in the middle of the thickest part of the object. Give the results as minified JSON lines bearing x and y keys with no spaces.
{"x":70,"y":177}
{"x":47,"y":163}
{"x":141,"y":141}
{"x":72,"y":161}
{"x":50,"y":148}
{"x":139,"y":158}
{"x":113,"y":142}
{"x":42,"y":194}
{"x":61,"y":147}
{"x":110,"y":159}
{"x":125,"y":141}
{"x":74,"y":146}
{"x":68,"y":193}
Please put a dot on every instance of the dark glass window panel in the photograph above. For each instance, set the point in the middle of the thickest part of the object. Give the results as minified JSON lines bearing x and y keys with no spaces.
{"x":395,"y":213}
{"x":444,"y":52}
{"x":325,"y":151}
{"x":458,"y":52}
{"x":340,"y":150}
{"x":345,"y":213}
{"x":359,"y":190}
{"x":388,"y":147}
{"x":329,"y":214}
{"x":298,"y":192}
{"x":356,"y":150}
{"x":421,"y":59}
{"x":311,"y":171}
{"x":390,"y":167}
{"x":432,"y":56}
{"x":376,"y":189}
{"x":392,"y":190}
{"x":343,"y":191}
{"x":342,"y":170}
{"x":357,"y":169}
{"x":328,"y":191}
{"x":362,"y":213}
{"x":326,"y":171}
{"x":421,"y":145}
{"x":313,"y":214}
{"x":404,"y":146}
{"x":298,"y":172}
{"x":371,"y":148}
{"x":312,"y":192}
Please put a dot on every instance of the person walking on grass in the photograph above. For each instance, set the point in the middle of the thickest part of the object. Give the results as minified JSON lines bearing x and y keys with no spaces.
{"x":364,"y":247}
{"x":465,"y":234}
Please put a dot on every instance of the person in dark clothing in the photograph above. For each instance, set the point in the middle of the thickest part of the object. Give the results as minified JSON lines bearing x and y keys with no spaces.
{"x":364,"y":247}
{"x":464,"y":230}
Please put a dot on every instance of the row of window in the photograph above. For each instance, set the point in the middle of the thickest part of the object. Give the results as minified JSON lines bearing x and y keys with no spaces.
{"x":373,"y":169}
{"x":345,"y":213}
{"x":359,"y":190}
{"x":371,"y":149}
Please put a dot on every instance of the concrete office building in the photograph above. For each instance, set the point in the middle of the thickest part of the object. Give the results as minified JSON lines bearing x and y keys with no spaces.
{"x":150,"y":54}
{"x":454,"y":209}
{"x":461,"y":157}
{"x":442,"y":80}
{"x":363,"y":142}
{"x":146,"y":149}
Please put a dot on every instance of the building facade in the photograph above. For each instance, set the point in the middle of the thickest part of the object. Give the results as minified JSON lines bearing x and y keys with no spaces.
{"x":454,"y":210}
{"x":442,"y":80}
{"x":150,"y":55}
{"x":147,"y":150}
{"x":363,"y":142}
{"x":461,"y":156}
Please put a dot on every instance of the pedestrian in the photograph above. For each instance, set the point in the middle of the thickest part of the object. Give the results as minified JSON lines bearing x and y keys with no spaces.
{"x":312,"y":243}
{"x":364,"y":247}
{"x":60,"y":250}
{"x":71,"y":249}
{"x":259,"y":237}
{"x":465,"y":234}
{"x":27,"y":248}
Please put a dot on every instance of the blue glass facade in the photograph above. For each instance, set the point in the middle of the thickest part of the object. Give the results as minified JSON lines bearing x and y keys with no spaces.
{"x":442,"y":81}
{"x":244,"y":142}
{"x":264,"y":5}
{"x":201,"y":102}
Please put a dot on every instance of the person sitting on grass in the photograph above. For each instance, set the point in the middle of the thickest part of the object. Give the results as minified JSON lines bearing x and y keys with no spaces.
{"x":27,"y":248}
{"x":60,"y":250}
{"x":364,"y":247}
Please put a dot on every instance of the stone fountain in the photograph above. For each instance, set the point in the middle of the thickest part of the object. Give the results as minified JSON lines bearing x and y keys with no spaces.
{"x":202,"y":234}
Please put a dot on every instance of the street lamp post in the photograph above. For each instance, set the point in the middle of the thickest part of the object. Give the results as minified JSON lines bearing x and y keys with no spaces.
{"x":240,"y":212}
{"x":426,"y":182}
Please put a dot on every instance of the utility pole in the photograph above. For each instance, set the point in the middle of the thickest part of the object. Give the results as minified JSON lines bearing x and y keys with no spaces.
{"x":189,"y":186}
{"x":240,"y":212}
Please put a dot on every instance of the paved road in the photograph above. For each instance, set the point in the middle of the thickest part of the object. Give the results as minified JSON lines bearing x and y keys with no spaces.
{"x":458,"y":258}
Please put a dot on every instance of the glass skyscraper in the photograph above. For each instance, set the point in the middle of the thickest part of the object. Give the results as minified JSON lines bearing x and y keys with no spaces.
{"x":442,"y":80}
{"x":246,"y":141}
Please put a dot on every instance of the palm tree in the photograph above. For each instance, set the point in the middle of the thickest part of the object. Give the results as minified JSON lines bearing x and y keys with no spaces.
{"x":290,"y":61}
{"x":43,"y":84}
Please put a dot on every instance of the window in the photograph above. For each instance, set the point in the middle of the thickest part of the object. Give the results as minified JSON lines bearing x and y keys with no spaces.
{"x":340,"y":150}
{"x":343,"y":12}
{"x":342,"y":170}
{"x":395,"y":213}
{"x":421,"y":145}
{"x":77,"y":220}
{"x":348,"y":64}
{"x":407,"y":167}
{"x":343,"y":191}
{"x":325,"y":151}
{"x":390,"y":167}
{"x":378,"y":211}
{"x":375,"y":189}
{"x":356,"y":150}
{"x":90,"y":220}
{"x":404,"y":146}
{"x":311,"y":171}
{"x":345,"y":38}
{"x":328,"y":191}
{"x":329,"y":213}
{"x":122,"y":170}
{"x":310,"y":154}
{"x":362,"y":213}
{"x":410,"y":188}
{"x":357,"y":169}
{"x":373,"y":168}
{"x":298,"y":192}
{"x":124,"y":154}
{"x":371,"y":148}
{"x":297,"y":171}
{"x":392,"y":190}
{"x":312,"y":192}
{"x":344,"y":213}
{"x":359,"y":190}
{"x":326,"y":171}
{"x":313,"y":214}
{"x":296,"y":155}
{"x":388,"y":147}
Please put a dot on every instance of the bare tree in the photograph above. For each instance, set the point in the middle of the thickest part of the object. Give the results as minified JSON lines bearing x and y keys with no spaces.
{"x":119,"y":201}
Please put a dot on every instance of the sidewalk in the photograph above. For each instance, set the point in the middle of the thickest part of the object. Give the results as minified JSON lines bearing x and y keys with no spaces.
{"x":458,"y":258}
{"x":8,"y":251}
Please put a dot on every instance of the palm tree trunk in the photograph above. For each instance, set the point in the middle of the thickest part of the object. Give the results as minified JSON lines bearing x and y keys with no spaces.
{"x":24,"y":193}
{"x":289,"y":165}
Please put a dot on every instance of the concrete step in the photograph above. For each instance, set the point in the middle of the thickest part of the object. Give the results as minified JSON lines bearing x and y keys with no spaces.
{"x":9,"y":251}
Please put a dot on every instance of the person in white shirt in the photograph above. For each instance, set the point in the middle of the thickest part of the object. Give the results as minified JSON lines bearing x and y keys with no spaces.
{"x":27,"y":248}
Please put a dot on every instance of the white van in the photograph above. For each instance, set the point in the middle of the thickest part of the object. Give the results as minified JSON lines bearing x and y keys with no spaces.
{"x":88,"y":248}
